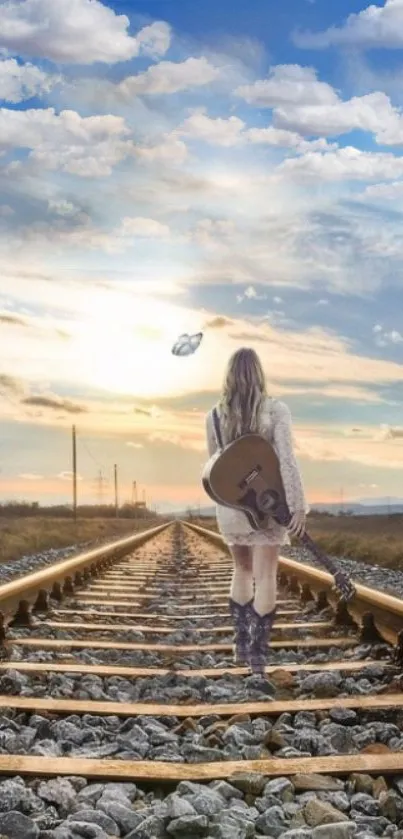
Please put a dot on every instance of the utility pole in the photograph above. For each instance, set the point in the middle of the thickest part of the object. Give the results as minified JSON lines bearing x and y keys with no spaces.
{"x":116,"y":490}
{"x":144,"y":497}
{"x":74,"y":473}
{"x":134,"y":493}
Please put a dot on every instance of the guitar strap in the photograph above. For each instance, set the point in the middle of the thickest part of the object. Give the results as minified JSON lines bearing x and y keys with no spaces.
{"x":217,"y":429}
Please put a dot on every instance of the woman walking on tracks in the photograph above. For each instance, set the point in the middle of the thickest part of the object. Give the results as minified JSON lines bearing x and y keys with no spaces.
{"x":245,"y":407}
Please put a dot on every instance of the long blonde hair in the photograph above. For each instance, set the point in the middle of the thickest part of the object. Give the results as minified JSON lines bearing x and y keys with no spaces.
{"x":243,"y":393}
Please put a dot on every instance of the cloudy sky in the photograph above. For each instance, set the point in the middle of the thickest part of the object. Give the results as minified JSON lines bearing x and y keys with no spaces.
{"x":167,"y":167}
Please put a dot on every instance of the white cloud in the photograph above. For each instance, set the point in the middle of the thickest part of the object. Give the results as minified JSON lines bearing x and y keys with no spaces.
{"x":288,"y":84}
{"x":373,"y":27}
{"x":169,"y":77}
{"x":31,"y":476}
{"x":63,"y":208}
{"x":373,"y":113}
{"x":76,"y":32}
{"x":348,"y":163}
{"x":135,"y":445}
{"x":385,"y":338}
{"x":302,"y":105}
{"x":218,"y":131}
{"x":84,"y":146}
{"x":283,"y":138}
{"x":144,"y":227}
{"x":67,"y":476}
{"x":389,"y":192}
{"x":19,"y":82}
{"x":170,"y":151}
{"x":369,"y":449}
{"x":233,"y":131}
{"x":154,"y":40}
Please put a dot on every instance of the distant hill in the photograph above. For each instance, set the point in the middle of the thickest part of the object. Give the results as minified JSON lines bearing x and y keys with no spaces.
{"x":363,"y":507}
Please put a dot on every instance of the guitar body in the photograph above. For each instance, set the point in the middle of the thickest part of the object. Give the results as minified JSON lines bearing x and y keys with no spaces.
{"x":246,"y":476}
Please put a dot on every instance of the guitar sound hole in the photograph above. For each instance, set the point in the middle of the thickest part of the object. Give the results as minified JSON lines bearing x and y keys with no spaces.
{"x":268,"y":500}
{"x":251,"y":501}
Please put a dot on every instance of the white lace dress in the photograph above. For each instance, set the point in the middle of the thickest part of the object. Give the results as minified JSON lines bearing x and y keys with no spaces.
{"x":275,"y":426}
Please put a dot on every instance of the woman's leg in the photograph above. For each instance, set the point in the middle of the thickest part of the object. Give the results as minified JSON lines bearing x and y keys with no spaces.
{"x":240,"y":600}
{"x":242,"y":577}
{"x":265,"y":562}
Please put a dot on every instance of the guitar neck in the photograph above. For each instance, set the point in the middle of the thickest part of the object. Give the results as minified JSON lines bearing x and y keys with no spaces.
{"x":318,"y":553}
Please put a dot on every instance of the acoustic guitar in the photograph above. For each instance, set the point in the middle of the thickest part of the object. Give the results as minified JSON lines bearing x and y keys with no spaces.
{"x":245,"y":475}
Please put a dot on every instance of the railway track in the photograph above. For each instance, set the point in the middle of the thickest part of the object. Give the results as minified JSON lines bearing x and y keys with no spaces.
{"x":121,"y":713}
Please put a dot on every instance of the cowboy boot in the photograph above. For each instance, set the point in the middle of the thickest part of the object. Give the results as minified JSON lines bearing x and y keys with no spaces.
{"x":260,"y":628}
{"x":241,"y":615}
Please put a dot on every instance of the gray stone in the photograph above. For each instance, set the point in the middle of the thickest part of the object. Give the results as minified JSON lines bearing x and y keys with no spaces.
{"x":231,"y":827}
{"x":176,"y":806}
{"x":206,"y":804}
{"x":91,"y":793}
{"x":251,"y":783}
{"x":316,"y":782}
{"x":343,"y":830}
{"x":126,"y":818}
{"x":282,"y":788}
{"x":376,"y":824}
{"x":365,"y":804}
{"x":344,"y":716}
{"x":326,"y":684}
{"x":12,"y":793}
{"x":272,"y":822}
{"x":188,"y":826}
{"x":298,"y":833}
{"x":320,"y":812}
{"x":48,"y":820}
{"x":150,"y":828}
{"x":58,"y":791}
{"x":226,"y":790}
{"x":78,"y":830}
{"x":96,"y":817}
{"x":15,"y":825}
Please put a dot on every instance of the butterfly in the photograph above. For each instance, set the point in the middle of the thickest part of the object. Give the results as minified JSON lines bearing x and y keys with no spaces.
{"x":187,"y":344}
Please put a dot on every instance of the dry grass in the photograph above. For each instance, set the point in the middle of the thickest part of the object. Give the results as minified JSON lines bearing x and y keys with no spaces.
{"x":372,"y":539}
{"x":30,"y":535}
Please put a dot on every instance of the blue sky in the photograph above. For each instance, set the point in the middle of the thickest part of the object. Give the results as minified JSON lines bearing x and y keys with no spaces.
{"x":171,"y":166}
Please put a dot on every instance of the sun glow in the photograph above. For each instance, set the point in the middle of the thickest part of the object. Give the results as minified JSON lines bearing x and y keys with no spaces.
{"x":124,"y":345}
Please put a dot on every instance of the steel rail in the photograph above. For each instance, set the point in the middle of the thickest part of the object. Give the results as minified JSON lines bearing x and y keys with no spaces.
{"x":379,"y":616}
{"x":32,"y":591}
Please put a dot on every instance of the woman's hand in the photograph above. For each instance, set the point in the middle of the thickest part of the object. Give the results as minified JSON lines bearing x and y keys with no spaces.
{"x":297,"y":523}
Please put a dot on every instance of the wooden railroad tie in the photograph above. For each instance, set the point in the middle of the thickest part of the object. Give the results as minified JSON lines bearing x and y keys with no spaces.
{"x":169,"y":773}
{"x":66,"y":643}
{"x":211,"y":673}
{"x":270,"y":708}
{"x":318,"y":626}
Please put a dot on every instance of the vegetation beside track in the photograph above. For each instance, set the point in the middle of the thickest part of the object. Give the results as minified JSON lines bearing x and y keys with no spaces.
{"x":373,"y":539}
{"x":22,"y":536}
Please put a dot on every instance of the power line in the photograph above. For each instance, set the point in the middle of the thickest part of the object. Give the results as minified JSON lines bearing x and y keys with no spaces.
{"x":96,"y":461}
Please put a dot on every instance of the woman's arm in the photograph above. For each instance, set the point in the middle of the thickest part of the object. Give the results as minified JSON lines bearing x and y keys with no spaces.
{"x":210,"y":435}
{"x":291,"y":476}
